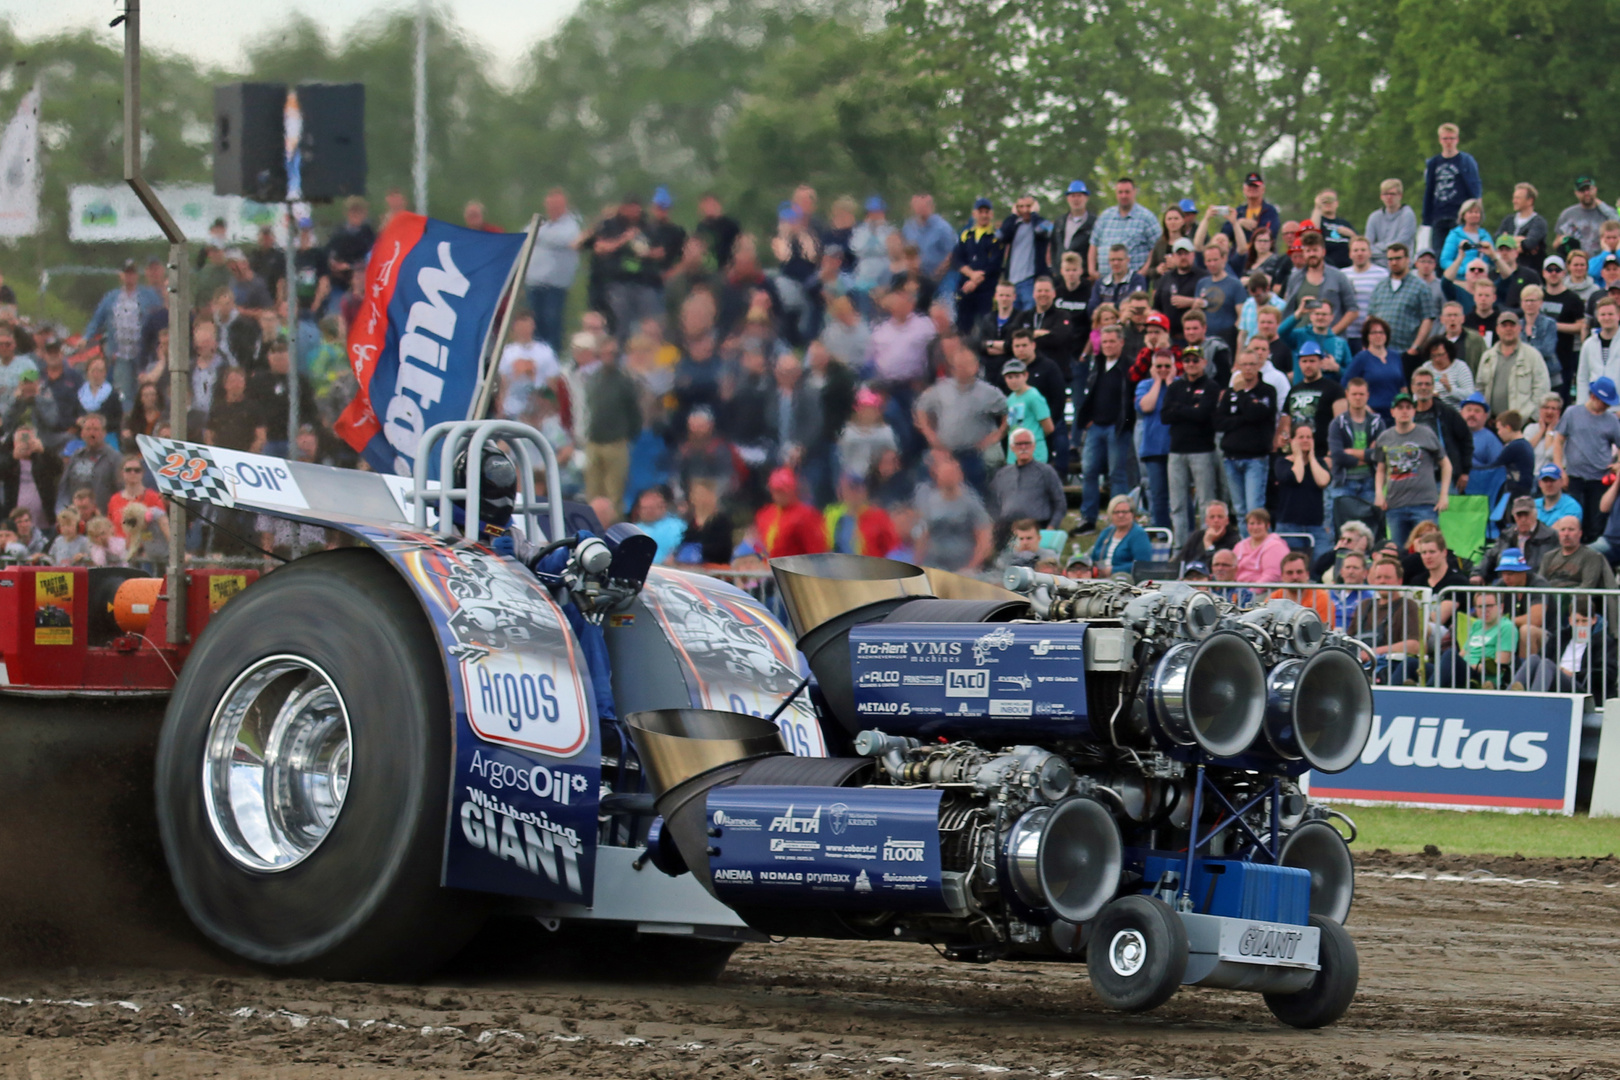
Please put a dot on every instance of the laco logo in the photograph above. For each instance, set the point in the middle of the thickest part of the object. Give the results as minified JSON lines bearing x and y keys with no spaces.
{"x":789,"y":824}
{"x":1428,"y":743}
{"x":423,"y":360}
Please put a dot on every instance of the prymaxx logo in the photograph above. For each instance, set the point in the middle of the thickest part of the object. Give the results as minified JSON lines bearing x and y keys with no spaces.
{"x":787,"y":823}
{"x":1429,"y":743}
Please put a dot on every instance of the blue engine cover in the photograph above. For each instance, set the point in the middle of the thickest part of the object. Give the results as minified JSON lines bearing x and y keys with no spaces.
{"x":993,"y":682}
{"x":1240,"y":890}
{"x":867,"y":849}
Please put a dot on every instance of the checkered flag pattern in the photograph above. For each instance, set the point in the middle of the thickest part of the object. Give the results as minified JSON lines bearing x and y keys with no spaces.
{"x":186,"y":471}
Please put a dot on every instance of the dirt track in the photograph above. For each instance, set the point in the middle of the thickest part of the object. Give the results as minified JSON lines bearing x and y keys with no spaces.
{"x":1460,"y":978}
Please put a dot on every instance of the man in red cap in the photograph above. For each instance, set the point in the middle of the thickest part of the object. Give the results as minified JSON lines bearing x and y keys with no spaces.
{"x":788,"y":526}
{"x":1155,"y":337}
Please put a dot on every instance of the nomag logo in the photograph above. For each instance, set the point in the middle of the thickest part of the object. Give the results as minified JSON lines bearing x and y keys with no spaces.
{"x":789,"y":824}
{"x":1429,"y":743}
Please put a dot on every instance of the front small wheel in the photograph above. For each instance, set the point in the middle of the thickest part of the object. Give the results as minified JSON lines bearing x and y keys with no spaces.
{"x":1137,"y":954}
{"x":1329,"y":995}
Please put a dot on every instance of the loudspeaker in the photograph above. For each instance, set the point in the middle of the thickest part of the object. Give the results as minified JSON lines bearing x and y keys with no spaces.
{"x":248,"y":155}
{"x":334,"y":144}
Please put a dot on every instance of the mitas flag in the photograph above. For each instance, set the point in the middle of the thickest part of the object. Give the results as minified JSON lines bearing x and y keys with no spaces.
{"x":431,"y":291}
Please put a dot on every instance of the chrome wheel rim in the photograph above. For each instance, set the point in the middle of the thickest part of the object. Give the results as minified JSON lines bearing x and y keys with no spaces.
{"x":276,"y":768}
{"x":1127,"y":952}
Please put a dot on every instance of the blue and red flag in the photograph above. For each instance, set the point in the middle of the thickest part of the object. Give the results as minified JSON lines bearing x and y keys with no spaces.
{"x":431,"y":291}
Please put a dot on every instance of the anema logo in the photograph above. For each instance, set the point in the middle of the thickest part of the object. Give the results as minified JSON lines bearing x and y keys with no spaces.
{"x":422,"y":359}
{"x":740,"y":877}
{"x":789,"y":824}
{"x":1428,"y":744}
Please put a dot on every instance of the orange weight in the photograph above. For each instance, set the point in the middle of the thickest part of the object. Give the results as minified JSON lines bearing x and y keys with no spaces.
{"x":132,"y":605}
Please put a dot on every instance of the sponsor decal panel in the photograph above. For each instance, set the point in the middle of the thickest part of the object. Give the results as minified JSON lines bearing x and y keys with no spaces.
{"x":869,"y":849}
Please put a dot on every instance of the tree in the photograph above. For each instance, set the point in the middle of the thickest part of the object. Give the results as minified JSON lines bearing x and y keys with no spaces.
{"x":839,"y":109}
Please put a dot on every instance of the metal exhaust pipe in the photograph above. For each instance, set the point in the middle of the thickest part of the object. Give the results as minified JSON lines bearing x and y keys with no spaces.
{"x":1211,"y":694}
{"x":1318,"y":847}
{"x":685,"y":753}
{"x":1319,"y":709}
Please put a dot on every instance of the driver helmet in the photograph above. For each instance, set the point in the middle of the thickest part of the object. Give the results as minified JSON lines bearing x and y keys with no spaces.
{"x":497,"y":488}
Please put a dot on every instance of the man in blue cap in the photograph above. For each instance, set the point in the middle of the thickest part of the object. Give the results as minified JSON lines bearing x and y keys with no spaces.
{"x":1487,"y":447}
{"x":1027,"y":237}
{"x":978,"y":261}
{"x":1072,"y":229}
{"x":1584,"y":447}
{"x":869,"y":245}
{"x":667,"y":240}
{"x":1554,"y":504}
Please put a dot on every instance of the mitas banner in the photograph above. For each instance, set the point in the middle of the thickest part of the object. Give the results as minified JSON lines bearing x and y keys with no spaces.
{"x":431,"y":291}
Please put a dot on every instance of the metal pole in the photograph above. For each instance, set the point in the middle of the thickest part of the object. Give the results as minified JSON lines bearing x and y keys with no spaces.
{"x":179,"y":304}
{"x":179,"y":408}
{"x":419,"y":163}
{"x":292,"y":332}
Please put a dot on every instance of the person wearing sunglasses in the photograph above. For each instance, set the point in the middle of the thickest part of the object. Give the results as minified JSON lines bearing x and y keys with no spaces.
{"x":133,"y":493}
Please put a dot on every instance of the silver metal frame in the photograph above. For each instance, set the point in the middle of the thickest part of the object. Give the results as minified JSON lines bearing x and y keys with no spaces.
{"x":472,"y":435}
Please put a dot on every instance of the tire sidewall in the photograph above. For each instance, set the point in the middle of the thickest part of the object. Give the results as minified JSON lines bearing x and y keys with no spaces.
{"x":1334,"y":988}
{"x":327,"y":610}
{"x":1166,"y":941}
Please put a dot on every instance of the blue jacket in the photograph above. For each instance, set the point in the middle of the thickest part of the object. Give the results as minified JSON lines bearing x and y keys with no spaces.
{"x":1155,"y":432}
{"x":1447,"y":184}
{"x":101,"y":322}
{"x":1332,"y":344}
{"x":1455,"y":240}
{"x":1122,"y":556}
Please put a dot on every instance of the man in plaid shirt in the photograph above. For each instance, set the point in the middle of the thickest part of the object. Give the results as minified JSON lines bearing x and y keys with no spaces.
{"x":1124,"y":223}
{"x":1404,"y":302}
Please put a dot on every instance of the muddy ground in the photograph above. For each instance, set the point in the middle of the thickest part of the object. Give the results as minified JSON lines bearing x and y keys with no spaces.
{"x":1470,"y":968}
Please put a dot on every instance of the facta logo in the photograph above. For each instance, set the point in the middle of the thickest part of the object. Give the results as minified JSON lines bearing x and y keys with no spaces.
{"x":1046,"y":645}
{"x":999,"y":639}
{"x":789,"y":824}
{"x":904,"y":851}
{"x":740,"y":877}
{"x":1428,"y":743}
{"x":879,"y":678}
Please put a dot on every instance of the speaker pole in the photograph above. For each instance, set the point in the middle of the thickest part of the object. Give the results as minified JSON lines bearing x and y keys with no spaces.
{"x":179,"y":304}
{"x":419,"y":164}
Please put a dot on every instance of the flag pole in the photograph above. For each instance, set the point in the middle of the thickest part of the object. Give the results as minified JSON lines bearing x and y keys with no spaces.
{"x":489,"y":374}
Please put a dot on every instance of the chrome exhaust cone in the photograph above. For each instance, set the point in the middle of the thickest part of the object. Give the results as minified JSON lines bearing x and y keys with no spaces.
{"x":1065,"y":859}
{"x":685,"y":753}
{"x":816,"y":588}
{"x":1211,"y":694}
{"x":678,"y":744}
{"x":1317,"y":846}
{"x":1320,"y":710}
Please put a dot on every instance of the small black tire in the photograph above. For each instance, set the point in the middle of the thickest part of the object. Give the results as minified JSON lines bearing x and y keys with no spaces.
{"x":1330,"y":994}
{"x":1136,"y":954}
{"x":366,"y":902}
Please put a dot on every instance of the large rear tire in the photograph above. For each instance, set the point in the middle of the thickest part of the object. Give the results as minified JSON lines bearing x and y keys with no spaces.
{"x":1330,"y":994}
{"x":1137,"y":954}
{"x":329,"y":866}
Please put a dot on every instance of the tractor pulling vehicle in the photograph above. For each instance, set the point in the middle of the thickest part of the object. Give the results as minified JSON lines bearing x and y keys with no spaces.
{"x":369,"y":751}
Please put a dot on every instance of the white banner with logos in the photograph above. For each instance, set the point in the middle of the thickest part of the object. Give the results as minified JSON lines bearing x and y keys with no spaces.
{"x":19,"y":170}
{"x":110,"y":213}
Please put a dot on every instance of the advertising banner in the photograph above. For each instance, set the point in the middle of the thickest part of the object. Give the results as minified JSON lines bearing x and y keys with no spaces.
{"x":1465,"y":750}
{"x":111,"y":213}
{"x":19,"y":170}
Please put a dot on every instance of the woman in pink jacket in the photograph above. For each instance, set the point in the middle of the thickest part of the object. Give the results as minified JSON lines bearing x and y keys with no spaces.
{"x":1260,"y":554}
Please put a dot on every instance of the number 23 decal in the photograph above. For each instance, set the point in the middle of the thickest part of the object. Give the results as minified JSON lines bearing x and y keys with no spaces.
{"x":187,"y":469}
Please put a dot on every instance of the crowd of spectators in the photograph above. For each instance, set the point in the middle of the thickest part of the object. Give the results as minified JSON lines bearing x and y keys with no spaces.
{"x":1234,"y":396}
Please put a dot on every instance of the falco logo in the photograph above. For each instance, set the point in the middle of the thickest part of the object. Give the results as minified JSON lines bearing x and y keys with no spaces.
{"x":789,"y":824}
{"x":999,"y":638}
